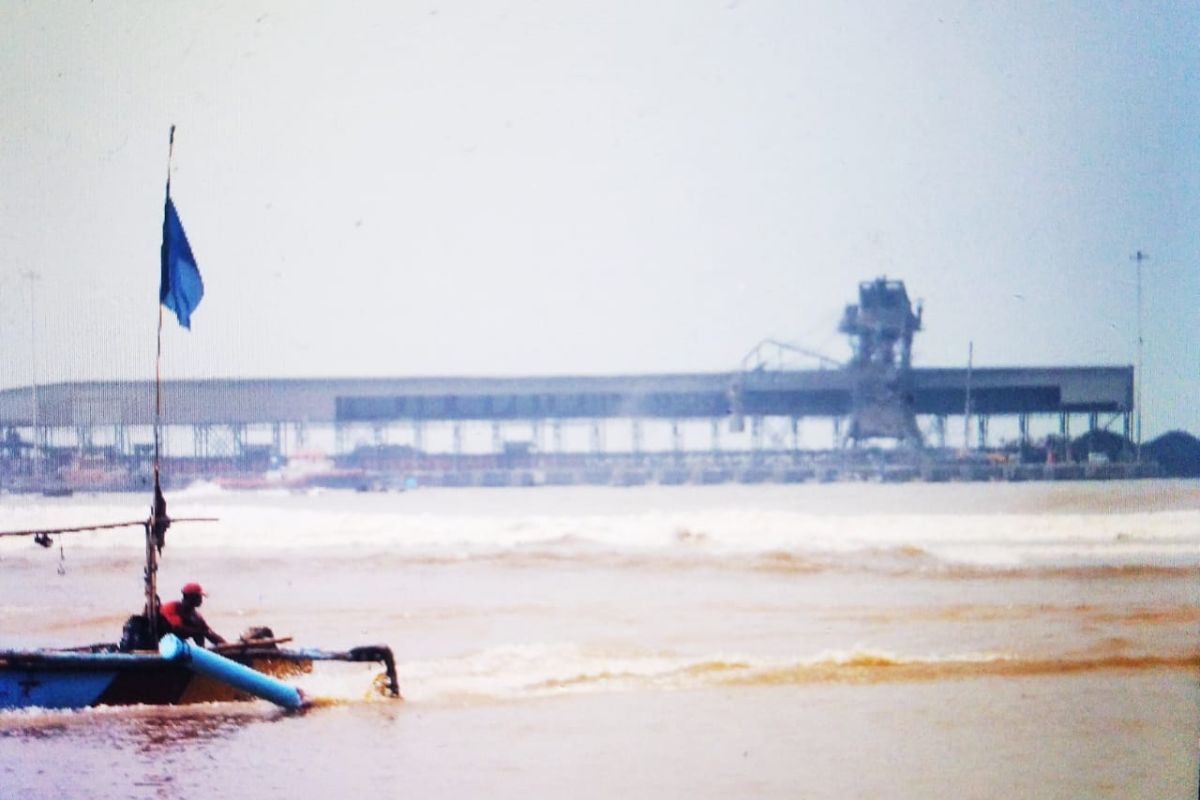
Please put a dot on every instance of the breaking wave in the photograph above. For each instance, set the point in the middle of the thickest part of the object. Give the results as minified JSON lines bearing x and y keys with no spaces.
{"x":1084,"y":613}
{"x":768,"y":540}
{"x":518,"y":672}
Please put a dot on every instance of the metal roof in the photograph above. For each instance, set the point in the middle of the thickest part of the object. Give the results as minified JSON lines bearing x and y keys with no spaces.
{"x":222,"y":401}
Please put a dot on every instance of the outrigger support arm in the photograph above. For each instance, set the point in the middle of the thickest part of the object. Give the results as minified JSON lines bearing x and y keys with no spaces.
{"x":383,"y":654}
{"x":80,"y":529}
{"x":137,"y":523}
{"x":377,"y":653}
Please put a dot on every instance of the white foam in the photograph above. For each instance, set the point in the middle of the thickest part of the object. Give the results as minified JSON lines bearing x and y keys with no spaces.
{"x":264,"y":523}
{"x":549,"y":669}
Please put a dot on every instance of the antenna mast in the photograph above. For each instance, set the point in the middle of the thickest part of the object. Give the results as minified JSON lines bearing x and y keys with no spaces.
{"x":1139,"y":379}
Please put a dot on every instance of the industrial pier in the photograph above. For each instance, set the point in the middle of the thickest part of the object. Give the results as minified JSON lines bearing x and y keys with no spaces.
{"x":886,"y":420}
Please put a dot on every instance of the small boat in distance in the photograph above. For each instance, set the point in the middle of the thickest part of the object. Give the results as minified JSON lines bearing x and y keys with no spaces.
{"x":134,"y":670}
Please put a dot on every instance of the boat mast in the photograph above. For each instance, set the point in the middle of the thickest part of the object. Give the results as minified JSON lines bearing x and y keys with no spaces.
{"x":157,"y":524}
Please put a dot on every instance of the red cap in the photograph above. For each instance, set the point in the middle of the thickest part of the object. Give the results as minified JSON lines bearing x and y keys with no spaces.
{"x":192,"y":588}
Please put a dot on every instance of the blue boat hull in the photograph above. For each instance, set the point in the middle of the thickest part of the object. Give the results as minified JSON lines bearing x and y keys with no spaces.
{"x":23,"y":688}
{"x":71,"y":680}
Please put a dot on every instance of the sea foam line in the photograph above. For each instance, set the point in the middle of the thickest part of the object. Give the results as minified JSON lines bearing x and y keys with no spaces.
{"x":810,"y":541}
{"x":530,"y":671}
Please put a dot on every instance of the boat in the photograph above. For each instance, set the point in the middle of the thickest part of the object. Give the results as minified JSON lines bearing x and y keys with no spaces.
{"x":149,"y":665}
{"x":105,"y":675}
{"x":134,"y":670}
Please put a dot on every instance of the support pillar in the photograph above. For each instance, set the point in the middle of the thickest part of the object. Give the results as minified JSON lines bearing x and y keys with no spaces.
{"x":299,"y":431}
{"x":676,"y":439}
{"x":983,"y":431}
{"x":635,"y":434}
{"x":1023,"y":428}
{"x":200,"y":441}
{"x":84,"y":437}
{"x":939,"y":430}
{"x":238,"y":434}
{"x":716,"y":437}
{"x":597,"y":436}
{"x":1065,"y":431}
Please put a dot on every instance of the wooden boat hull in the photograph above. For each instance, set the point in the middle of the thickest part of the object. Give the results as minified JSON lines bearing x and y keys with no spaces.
{"x":68,"y":680}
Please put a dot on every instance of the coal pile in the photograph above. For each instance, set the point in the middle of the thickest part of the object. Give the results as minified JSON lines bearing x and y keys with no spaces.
{"x":1112,"y":446}
{"x":1177,"y":454}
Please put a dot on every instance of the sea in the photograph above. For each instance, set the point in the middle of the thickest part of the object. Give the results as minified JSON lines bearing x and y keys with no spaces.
{"x":847,"y":640}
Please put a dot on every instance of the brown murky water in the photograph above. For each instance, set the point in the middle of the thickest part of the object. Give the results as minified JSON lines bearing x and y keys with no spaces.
{"x":814,"y":641}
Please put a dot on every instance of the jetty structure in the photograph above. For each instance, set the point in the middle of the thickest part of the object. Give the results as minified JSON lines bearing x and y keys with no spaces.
{"x":888,"y":418}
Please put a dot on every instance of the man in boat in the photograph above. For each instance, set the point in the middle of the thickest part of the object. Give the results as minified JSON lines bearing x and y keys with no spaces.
{"x":185,"y":621}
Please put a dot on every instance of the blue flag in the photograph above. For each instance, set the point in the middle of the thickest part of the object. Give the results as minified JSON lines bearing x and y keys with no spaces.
{"x":181,"y":287}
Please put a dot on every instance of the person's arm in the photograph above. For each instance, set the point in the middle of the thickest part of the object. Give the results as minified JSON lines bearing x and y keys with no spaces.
{"x":201,"y":630}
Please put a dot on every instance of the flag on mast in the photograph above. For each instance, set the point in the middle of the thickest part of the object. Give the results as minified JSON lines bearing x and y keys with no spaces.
{"x":181,"y":287}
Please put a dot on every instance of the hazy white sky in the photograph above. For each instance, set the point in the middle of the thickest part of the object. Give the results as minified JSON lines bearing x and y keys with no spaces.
{"x":530,"y":187}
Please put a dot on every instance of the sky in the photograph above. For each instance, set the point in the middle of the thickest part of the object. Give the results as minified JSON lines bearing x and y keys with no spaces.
{"x":556,"y":188}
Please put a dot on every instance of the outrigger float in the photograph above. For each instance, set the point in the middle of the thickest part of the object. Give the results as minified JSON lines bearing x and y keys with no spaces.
{"x":150,"y":665}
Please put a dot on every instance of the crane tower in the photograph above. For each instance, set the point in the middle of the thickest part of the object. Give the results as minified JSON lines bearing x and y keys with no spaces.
{"x":881,"y":328}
